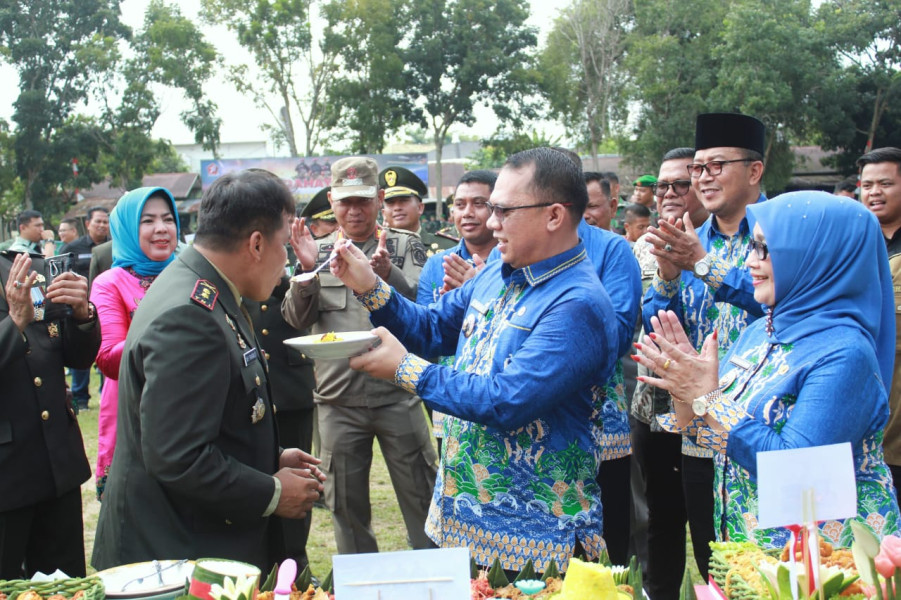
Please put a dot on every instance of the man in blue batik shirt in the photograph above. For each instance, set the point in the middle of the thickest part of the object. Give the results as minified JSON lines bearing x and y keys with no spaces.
{"x":533,"y":334}
{"x":702,"y":277}
{"x":451,"y":268}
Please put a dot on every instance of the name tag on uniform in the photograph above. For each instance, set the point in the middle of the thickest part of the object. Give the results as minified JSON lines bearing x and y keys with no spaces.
{"x":481,"y":308}
{"x":740,"y":363}
{"x":250,"y":356}
{"x":84,"y":256}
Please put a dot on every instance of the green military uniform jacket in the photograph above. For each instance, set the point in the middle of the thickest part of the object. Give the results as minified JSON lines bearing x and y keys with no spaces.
{"x":197,"y":443}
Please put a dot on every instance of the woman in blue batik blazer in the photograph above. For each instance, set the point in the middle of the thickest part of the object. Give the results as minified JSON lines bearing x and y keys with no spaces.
{"x":814,"y":372}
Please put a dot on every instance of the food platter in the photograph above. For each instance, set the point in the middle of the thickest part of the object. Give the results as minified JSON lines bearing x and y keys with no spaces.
{"x":143,"y":580}
{"x":347,"y":344}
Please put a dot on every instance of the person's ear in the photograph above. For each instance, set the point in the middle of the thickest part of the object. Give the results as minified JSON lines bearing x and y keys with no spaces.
{"x":557,"y":214}
{"x":756,"y":172}
{"x":256,"y":244}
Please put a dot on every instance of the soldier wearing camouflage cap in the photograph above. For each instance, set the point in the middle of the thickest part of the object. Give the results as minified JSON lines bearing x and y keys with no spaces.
{"x":353,"y":407}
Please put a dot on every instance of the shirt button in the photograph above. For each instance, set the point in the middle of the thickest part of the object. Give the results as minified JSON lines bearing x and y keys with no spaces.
{"x":265,"y":332}
{"x":303,"y":355}
{"x":45,"y":415}
{"x":266,"y":355}
{"x":227,"y":522}
{"x":257,"y":380}
{"x":264,"y":307}
{"x":38,"y":382}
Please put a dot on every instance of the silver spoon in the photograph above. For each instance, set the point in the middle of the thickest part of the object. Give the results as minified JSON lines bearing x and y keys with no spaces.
{"x":303,"y":277}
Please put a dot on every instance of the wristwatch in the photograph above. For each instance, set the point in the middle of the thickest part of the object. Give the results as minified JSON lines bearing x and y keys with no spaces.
{"x":92,"y":315}
{"x":702,"y":267}
{"x":700,"y":405}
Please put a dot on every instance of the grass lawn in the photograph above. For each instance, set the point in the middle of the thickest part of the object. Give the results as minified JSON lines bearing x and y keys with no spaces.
{"x":386,"y":518}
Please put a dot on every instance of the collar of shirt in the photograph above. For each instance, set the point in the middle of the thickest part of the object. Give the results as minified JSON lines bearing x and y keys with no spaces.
{"x":711,"y":229}
{"x":544,"y":270}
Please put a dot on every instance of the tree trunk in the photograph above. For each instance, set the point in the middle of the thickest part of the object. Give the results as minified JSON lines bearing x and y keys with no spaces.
{"x":287,"y":124}
{"x":439,"y":151}
{"x":878,"y":109}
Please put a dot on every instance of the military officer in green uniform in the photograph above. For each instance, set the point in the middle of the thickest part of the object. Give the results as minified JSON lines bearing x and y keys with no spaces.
{"x":353,"y":408}
{"x":198,"y":470}
{"x":403,"y":206}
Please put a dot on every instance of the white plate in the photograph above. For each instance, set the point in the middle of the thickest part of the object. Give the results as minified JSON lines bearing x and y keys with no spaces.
{"x":352,"y":343}
{"x":174,"y":576}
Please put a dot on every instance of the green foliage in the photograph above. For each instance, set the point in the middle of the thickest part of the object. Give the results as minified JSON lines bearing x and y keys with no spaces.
{"x":60,"y":49}
{"x":293,"y":74}
{"x":467,"y":52}
{"x":581,"y":67}
{"x":494,"y":151}
{"x":368,"y":99}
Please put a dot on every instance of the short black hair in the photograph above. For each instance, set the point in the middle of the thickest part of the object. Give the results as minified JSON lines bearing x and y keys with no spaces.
{"x":489,"y":178}
{"x":94,"y":209}
{"x":678,"y":154}
{"x":239,"y":203}
{"x":613,"y":177}
{"x":70,"y":221}
{"x":635,"y":211}
{"x":881,"y":155}
{"x":603,"y":182}
{"x":25,"y":217}
{"x":556,"y":178}
{"x":848,"y":184}
{"x":577,"y":160}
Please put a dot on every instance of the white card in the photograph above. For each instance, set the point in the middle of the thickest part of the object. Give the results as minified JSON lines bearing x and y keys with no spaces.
{"x":785,"y":476}
{"x":440,"y":574}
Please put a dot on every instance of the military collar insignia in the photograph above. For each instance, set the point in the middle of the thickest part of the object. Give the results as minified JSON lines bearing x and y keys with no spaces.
{"x":53,"y":329}
{"x":205,"y":294}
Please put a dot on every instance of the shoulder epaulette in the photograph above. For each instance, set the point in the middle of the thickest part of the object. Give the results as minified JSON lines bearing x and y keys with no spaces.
{"x":205,"y":294}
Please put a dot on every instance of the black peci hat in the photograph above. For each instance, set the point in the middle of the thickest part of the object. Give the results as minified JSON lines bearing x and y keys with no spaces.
{"x":729,"y":130}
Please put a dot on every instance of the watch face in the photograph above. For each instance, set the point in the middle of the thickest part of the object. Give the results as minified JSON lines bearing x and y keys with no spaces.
{"x":699,"y":407}
{"x":702,"y":268}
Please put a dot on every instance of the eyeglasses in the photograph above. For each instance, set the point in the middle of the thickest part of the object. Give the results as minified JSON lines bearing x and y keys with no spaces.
{"x":680,"y":187}
{"x":714,"y":167}
{"x":500,"y":212}
{"x":760,"y":248}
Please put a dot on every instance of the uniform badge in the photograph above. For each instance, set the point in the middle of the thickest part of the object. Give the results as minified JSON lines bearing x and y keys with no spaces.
{"x":231,"y":324}
{"x":258,"y":411}
{"x":205,"y":294}
{"x":419,"y":254}
{"x":391,"y":177}
{"x":53,"y":329}
{"x":469,"y":324}
{"x":727,"y":379}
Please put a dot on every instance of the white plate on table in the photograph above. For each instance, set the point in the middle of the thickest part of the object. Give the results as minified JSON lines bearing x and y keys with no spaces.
{"x":173,"y":573}
{"x":352,"y":343}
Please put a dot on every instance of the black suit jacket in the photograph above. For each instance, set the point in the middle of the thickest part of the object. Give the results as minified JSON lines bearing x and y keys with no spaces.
{"x":41,"y":451}
{"x":290,"y":372}
{"x":192,"y":472}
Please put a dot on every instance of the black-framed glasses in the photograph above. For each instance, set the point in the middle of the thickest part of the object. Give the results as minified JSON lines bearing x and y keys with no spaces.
{"x":500,"y":212}
{"x":760,"y":248}
{"x":714,"y":167}
{"x":680,"y":187}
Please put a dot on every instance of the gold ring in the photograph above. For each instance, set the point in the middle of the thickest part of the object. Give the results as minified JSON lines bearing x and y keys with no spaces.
{"x":666,"y":364}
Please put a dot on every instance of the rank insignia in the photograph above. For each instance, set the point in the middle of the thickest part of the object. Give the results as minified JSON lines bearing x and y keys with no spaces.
{"x":391,"y":177}
{"x":469,"y":324}
{"x":205,"y":294}
{"x":258,"y":411}
{"x":53,"y":329}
